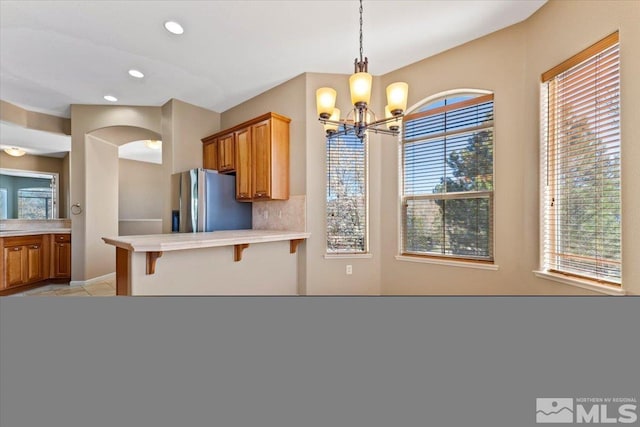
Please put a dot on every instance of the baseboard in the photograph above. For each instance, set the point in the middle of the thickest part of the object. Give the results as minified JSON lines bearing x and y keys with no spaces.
{"x":110,"y":276}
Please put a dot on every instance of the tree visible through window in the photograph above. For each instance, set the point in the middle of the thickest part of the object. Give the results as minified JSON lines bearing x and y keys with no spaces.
{"x":581,"y":164}
{"x":347,"y":220}
{"x":35,"y":203}
{"x":447,"y":176}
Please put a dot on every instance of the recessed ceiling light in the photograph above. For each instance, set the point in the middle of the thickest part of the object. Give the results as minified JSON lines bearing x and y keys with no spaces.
{"x":173,"y":27}
{"x":110,"y":98}
{"x":135,"y":73}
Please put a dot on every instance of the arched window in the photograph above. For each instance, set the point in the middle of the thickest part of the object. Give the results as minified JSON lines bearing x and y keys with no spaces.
{"x":447,"y":177}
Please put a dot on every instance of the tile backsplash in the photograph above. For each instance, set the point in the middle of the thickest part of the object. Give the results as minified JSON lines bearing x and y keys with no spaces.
{"x":288,"y":215}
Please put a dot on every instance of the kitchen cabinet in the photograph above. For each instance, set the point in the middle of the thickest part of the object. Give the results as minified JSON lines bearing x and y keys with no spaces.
{"x":61,"y":256}
{"x":261,"y":154}
{"x":226,"y":154}
{"x":29,"y":259}
{"x":210,"y":155}
{"x":243,"y":164}
{"x":24,"y":260}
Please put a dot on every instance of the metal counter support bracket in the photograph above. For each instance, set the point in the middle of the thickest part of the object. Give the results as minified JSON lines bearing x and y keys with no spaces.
{"x":151,"y":261}
{"x":237,"y":251}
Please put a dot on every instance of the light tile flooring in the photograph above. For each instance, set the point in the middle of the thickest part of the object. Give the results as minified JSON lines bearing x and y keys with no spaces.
{"x":100,"y":289}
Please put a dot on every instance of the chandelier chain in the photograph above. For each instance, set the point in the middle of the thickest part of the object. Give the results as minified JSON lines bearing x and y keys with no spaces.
{"x":360,"y":30}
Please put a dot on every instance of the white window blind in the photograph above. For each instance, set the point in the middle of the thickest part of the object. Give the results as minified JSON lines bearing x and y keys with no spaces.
{"x":581,"y":164}
{"x":347,"y":205}
{"x":447,"y":176}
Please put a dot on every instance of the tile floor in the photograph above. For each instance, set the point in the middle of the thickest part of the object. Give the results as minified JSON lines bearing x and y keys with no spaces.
{"x":100,"y":289}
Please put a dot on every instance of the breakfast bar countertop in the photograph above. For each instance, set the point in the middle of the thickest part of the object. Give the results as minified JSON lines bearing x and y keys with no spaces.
{"x":181,"y":241}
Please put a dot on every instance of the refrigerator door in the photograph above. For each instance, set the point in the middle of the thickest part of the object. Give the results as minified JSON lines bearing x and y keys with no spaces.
{"x":222,"y":210}
{"x":190,"y":190}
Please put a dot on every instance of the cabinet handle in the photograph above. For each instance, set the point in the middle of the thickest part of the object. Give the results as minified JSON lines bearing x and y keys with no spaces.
{"x":16,"y":249}
{"x":35,"y":247}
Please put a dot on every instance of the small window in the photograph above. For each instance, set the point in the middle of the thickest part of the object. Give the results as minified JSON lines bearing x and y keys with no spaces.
{"x":447,"y":178}
{"x":580,"y":165}
{"x":347,"y":204}
{"x":35,"y":203}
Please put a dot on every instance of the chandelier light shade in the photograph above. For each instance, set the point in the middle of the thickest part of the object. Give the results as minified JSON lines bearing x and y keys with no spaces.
{"x":331,"y":126}
{"x":15,"y":151}
{"x":360,"y":87}
{"x":361,"y":119}
{"x":325,"y":101}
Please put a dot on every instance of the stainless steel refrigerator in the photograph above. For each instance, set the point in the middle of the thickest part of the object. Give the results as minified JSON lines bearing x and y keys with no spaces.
{"x":204,"y":200}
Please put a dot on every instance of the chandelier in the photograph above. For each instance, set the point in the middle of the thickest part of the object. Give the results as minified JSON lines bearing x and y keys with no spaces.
{"x":361,"y":119}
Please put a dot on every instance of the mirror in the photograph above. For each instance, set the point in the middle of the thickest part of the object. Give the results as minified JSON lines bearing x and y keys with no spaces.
{"x":28,"y":194}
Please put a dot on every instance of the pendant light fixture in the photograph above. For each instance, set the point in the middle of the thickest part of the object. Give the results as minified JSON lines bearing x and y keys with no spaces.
{"x":361,"y":119}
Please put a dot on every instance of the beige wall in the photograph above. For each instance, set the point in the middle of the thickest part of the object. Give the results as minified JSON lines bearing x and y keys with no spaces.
{"x":101,"y":206}
{"x":509,"y":63}
{"x":287,"y":99}
{"x":183,"y":127}
{"x":44,"y":164}
{"x":86,"y":119}
{"x":140,"y":196}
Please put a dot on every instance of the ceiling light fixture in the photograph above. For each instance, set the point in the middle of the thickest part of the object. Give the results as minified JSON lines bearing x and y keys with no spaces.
{"x":173,"y":27}
{"x":154,"y":144}
{"x":135,"y":73}
{"x":363,"y":118}
{"x":110,"y":98}
{"x":15,"y":151}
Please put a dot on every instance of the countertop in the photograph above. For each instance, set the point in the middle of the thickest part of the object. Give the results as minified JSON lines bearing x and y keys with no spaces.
{"x":14,"y":233}
{"x":180,"y":241}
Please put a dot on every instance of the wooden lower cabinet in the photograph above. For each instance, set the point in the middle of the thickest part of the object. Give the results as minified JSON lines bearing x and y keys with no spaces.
{"x":61,"y":256}
{"x":24,"y":260}
{"x":27,"y":260}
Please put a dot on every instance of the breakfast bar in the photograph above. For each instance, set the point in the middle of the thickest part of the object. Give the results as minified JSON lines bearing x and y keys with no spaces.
{"x":233,"y":262}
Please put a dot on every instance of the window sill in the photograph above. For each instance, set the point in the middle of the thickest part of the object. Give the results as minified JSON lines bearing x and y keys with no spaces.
{"x":347,"y":256}
{"x":580,"y":283}
{"x":452,"y":263}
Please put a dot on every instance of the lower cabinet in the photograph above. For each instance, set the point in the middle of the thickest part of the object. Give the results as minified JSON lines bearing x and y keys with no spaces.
{"x":61,"y":256}
{"x":31,"y":259}
{"x":24,"y":260}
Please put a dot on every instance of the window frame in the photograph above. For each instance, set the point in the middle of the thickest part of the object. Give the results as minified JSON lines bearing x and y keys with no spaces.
{"x":548,"y":145}
{"x":444,"y":259}
{"x":365,"y":253}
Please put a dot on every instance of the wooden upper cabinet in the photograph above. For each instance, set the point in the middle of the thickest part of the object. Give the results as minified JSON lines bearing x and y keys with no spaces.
{"x":226,"y":153}
{"x":261,"y":155}
{"x":210,"y":155}
{"x":243,"y":164}
{"x":260,"y":152}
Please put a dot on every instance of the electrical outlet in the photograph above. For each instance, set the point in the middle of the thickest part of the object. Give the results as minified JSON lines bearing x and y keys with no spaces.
{"x":279,"y":214}
{"x":265,"y":214}
{"x":349,"y":269}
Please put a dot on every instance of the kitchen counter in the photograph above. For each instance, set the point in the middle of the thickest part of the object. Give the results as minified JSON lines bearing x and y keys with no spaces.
{"x":261,"y":262}
{"x":14,"y":233}
{"x":181,"y":241}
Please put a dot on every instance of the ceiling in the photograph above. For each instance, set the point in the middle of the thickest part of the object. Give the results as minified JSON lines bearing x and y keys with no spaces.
{"x":57,"y":53}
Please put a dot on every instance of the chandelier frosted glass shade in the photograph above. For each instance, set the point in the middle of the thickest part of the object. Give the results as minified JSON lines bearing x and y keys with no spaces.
{"x":325,"y":101}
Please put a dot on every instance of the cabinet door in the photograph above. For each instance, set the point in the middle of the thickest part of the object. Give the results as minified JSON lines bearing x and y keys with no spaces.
{"x":261,"y":159}
{"x":14,"y":265}
{"x":62,"y":260}
{"x":226,"y":153}
{"x":243,"y":164}
{"x":210,"y":155}
{"x":35,"y":265}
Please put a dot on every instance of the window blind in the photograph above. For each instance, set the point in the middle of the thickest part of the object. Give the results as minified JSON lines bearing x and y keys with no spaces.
{"x":347,"y":206}
{"x":447,"y":179}
{"x":581,"y":165}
